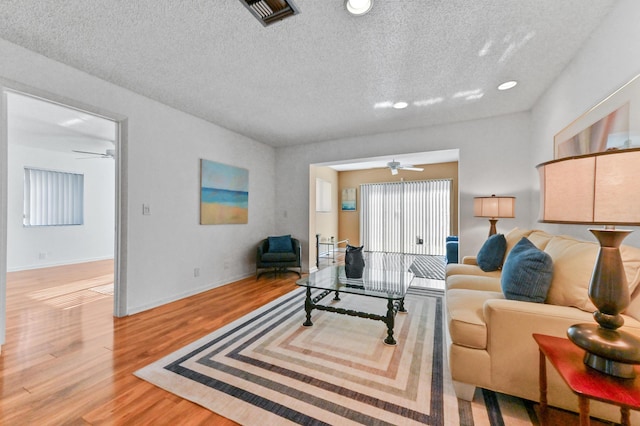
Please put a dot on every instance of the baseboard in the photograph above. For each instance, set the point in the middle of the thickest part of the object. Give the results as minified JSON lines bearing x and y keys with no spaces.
{"x":60,"y":263}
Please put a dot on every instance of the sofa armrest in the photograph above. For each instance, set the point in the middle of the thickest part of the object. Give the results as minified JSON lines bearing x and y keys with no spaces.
{"x":515,"y":355}
{"x":469,"y":260}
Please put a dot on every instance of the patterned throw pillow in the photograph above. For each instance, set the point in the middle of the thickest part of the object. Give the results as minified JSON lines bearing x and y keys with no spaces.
{"x":527,"y":273}
{"x":491,"y":253}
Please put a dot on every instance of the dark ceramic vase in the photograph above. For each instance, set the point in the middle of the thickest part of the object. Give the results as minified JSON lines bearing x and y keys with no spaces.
{"x":353,"y":262}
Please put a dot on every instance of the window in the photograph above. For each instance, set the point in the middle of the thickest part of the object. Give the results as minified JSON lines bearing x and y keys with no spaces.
{"x":406,"y":217}
{"x":323,"y":195}
{"x":52,"y":198}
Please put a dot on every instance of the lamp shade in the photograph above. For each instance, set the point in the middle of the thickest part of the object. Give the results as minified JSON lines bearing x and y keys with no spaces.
{"x":494,"y":207}
{"x":601,"y":188}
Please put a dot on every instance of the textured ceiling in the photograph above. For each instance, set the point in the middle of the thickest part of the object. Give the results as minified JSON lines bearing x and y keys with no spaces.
{"x":317,"y":75}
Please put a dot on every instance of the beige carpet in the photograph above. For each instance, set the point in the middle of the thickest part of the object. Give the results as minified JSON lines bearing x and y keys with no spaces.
{"x":266,"y":368}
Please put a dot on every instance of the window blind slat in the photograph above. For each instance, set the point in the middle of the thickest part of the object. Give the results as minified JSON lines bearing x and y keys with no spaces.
{"x":52,"y":198}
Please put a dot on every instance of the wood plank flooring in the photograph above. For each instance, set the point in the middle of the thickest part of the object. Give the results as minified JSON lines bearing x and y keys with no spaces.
{"x":67,"y":360}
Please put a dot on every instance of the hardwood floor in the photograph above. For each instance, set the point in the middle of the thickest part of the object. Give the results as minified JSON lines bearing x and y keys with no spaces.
{"x":67,"y":360}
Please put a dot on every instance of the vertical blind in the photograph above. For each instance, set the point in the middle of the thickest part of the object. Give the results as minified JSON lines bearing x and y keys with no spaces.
{"x":406,"y":217}
{"x":52,"y":198}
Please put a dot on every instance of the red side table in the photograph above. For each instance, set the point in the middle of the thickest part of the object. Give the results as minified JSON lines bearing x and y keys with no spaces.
{"x":585,"y":382}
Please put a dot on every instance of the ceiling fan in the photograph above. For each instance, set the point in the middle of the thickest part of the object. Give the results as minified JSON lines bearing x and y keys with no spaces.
{"x":109,"y":153}
{"x":395,"y":166}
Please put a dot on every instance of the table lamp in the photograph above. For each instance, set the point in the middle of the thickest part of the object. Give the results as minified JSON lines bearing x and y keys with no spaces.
{"x":599,"y":189}
{"x":494,"y":208}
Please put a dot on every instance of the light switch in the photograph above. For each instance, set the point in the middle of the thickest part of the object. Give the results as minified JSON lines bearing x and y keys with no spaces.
{"x":146,"y":209}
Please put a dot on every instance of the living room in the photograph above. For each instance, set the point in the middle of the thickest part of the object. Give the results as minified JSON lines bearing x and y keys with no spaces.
{"x":160,"y":149}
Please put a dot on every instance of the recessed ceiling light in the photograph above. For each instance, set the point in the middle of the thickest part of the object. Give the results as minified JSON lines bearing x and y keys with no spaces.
{"x":358,"y":7}
{"x":508,"y":85}
{"x":400,"y":105}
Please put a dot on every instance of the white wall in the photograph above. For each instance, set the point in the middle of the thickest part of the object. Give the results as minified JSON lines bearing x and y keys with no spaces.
{"x":93,"y":240}
{"x":609,"y":59}
{"x":162,"y":154}
{"x":493,"y":160}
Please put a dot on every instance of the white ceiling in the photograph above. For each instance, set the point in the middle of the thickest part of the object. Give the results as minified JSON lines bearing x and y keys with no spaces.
{"x":315,"y":76}
{"x":45,"y":125}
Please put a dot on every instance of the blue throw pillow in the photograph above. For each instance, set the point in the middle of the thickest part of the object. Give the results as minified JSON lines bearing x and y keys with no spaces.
{"x":280,"y":244}
{"x":527,"y":273}
{"x":492,"y":252}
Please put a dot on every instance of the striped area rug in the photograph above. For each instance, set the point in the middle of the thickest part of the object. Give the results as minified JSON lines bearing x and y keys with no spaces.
{"x":432,"y":267}
{"x":266,"y":368}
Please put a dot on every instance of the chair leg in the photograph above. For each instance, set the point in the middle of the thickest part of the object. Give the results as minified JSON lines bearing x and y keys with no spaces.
{"x":277,"y":271}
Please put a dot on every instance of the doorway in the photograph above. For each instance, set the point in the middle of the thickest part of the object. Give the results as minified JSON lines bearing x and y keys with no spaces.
{"x":74,"y":132}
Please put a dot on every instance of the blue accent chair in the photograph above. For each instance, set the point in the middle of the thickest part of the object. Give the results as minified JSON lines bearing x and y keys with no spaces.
{"x":278,"y":262}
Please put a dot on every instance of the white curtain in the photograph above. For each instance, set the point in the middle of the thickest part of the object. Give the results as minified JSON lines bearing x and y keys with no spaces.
{"x":406,"y":217}
{"x":52,"y":198}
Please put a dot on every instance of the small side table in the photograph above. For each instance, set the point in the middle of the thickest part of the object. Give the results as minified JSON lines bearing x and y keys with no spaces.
{"x":585,"y":382}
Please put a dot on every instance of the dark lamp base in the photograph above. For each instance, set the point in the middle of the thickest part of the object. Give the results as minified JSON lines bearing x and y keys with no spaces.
{"x":612,"y":352}
{"x":492,"y":227}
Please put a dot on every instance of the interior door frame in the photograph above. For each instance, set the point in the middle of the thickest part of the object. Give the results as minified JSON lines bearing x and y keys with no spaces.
{"x":121,"y":179}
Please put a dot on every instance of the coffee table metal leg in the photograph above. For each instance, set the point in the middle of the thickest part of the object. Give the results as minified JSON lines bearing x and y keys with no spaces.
{"x":401,"y":307}
{"x":390,"y":321}
{"x":308,"y":307}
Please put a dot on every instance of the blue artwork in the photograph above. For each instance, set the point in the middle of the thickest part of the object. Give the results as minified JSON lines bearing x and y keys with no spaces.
{"x":224,"y":194}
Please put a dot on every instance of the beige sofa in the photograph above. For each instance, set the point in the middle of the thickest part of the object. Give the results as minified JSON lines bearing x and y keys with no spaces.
{"x":489,"y":337}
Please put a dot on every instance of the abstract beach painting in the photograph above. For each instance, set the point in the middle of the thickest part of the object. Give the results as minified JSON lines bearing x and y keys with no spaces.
{"x":224,"y":194}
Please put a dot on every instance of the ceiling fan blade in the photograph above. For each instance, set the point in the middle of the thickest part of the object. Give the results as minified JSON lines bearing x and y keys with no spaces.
{"x":413,"y":169}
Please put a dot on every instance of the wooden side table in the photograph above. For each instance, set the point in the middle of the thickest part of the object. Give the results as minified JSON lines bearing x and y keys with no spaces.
{"x":585,"y":382}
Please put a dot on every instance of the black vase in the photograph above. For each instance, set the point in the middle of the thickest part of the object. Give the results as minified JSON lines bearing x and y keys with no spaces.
{"x":353,"y":262}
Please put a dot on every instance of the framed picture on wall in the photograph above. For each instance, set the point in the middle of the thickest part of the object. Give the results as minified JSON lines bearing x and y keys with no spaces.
{"x":611,"y":124}
{"x":348,"y":202}
{"x":224,"y":194}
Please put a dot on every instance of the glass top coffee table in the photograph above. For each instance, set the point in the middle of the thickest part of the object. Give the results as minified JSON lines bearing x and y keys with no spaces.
{"x":377,"y":283}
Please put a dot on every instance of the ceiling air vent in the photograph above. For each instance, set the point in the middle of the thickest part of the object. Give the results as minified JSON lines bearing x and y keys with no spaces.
{"x":270,"y":11}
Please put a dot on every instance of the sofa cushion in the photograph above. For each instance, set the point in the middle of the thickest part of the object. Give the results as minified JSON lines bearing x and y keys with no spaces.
{"x":527,"y":273}
{"x":540,"y":238}
{"x":465,"y":316}
{"x":467,"y":269}
{"x":514,"y":236}
{"x":474,"y":282}
{"x":573,"y":262}
{"x":279,"y":257}
{"x":491,"y":254}
{"x":281,"y":244}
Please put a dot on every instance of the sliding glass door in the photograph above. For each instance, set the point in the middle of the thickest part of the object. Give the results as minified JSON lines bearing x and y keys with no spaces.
{"x":406,"y":217}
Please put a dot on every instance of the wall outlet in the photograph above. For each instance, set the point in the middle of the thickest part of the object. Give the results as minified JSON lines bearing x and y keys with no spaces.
{"x":196,"y":272}
{"x":226,"y":264}
{"x":42,"y":255}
